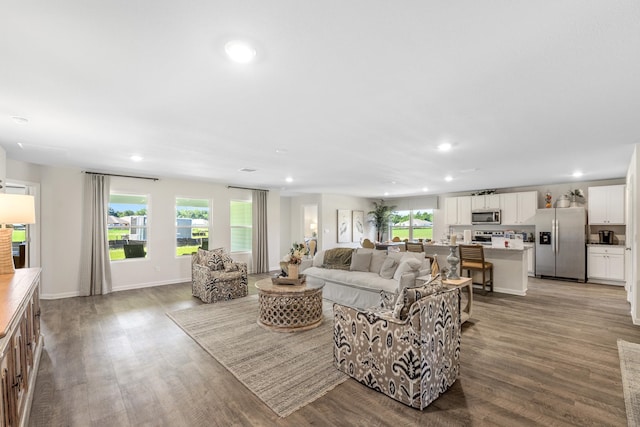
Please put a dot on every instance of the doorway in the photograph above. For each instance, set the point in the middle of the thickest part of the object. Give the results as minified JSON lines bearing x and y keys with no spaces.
{"x":24,"y":243}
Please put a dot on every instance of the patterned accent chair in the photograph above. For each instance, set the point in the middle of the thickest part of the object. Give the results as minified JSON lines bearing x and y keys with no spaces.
{"x":216,"y":277}
{"x":413,"y":360}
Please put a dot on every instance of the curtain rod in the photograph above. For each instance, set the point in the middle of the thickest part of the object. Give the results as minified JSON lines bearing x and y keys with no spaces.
{"x":246,"y":188}
{"x":122,"y":176}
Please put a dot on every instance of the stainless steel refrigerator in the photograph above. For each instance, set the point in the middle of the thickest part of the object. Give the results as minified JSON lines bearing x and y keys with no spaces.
{"x":560,"y":243}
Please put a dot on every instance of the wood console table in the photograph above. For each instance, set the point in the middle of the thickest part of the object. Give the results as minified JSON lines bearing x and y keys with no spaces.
{"x":20,"y":343}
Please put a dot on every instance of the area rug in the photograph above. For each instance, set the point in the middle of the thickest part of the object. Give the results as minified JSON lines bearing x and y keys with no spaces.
{"x":630,"y":368}
{"x":285,"y":370}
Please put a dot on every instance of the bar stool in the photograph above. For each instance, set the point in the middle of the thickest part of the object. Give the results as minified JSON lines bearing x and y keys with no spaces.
{"x":472,"y":259}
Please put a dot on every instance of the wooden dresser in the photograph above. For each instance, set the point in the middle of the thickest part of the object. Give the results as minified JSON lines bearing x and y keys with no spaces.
{"x":20,"y":343}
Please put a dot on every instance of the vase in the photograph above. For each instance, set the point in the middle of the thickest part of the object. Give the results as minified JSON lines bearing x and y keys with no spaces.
{"x":453,"y":261}
{"x":292,"y":271}
{"x":574,"y":202}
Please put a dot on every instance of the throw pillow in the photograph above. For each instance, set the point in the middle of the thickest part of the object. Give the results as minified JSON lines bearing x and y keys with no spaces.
{"x":388,"y":268}
{"x":211,"y":259}
{"x":360,"y":262}
{"x":228,"y":263}
{"x":377,"y":259}
{"x":410,"y":295}
{"x":406,"y":266}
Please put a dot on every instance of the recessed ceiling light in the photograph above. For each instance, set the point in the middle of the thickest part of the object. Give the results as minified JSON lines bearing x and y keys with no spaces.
{"x":445,"y":146}
{"x":20,"y":120}
{"x":281,"y":150}
{"x":246,"y":170}
{"x":425,"y":189}
{"x":289,"y":179}
{"x":20,"y":145}
{"x":448,"y":178}
{"x":577,"y":174}
{"x":386,"y":193}
{"x":239,"y":51}
{"x":136,"y":158}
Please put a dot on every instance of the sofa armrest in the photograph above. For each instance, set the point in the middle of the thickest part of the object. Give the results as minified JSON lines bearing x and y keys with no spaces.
{"x":306,"y":263}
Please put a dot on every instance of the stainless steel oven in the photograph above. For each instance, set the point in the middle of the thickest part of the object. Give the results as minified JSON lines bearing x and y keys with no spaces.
{"x":485,"y":216}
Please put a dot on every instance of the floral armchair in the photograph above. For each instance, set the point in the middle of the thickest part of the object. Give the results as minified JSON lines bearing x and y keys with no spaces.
{"x":216,"y":277}
{"x":412,"y":355}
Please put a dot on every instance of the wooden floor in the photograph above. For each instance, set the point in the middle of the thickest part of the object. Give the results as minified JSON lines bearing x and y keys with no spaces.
{"x":549,"y":358}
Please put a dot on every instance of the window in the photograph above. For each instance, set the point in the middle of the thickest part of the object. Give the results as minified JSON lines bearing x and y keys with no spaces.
{"x":127,"y":226}
{"x":192,"y":225}
{"x":241,"y":226}
{"x":412,"y":225}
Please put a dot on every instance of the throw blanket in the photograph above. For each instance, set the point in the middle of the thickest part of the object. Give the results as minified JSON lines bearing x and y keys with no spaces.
{"x":338,"y":258}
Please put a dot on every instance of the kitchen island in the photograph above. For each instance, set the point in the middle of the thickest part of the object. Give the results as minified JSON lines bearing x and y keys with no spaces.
{"x":510,"y":266}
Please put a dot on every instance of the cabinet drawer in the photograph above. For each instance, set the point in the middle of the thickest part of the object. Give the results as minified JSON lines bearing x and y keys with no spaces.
{"x":606,"y":250}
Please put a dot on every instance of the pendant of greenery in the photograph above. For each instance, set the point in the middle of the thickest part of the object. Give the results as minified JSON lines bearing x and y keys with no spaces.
{"x":380,"y":217}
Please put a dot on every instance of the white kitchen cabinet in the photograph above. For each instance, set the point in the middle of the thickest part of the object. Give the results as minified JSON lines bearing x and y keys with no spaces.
{"x":519,"y":208}
{"x":457,"y":210}
{"x":531,"y":259}
{"x":605,"y":263}
{"x":485,"y":201}
{"x":606,"y":204}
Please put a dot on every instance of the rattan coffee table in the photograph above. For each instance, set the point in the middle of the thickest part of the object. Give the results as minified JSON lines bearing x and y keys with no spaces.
{"x":289,"y":308}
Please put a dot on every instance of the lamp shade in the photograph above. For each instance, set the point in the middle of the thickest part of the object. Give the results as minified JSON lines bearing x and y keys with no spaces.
{"x":17,"y":209}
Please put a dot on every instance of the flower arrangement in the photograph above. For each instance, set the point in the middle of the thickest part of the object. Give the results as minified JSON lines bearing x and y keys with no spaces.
{"x":576,"y":193}
{"x":296,"y":253}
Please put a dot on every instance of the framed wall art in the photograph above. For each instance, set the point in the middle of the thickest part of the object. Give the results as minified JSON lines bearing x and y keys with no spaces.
{"x":358,"y":226}
{"x":344,"y":226}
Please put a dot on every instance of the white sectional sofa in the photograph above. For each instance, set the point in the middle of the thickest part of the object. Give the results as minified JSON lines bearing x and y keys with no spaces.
{"x":360,"y":282}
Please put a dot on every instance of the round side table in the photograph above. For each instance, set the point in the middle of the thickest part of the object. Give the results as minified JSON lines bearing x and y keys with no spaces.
{"x":289,"y":308}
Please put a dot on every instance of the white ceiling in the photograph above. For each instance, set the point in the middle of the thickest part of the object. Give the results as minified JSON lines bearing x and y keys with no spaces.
{"x":357,"y":93}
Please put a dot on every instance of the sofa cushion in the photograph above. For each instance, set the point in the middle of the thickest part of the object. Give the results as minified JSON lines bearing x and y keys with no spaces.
{"x":360,"y":262}
{"x":338,"y":258}
{"x":355,"y":279}
{"x":410,"y":295}
{"x":388,"y":268}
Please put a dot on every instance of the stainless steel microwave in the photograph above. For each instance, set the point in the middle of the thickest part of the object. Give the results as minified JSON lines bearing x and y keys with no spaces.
{"x":485,"y":216}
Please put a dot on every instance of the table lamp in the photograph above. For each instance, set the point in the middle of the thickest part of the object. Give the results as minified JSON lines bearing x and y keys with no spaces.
{"x":14,"y":209}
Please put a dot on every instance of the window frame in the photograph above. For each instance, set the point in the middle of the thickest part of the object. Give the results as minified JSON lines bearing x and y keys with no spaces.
{"x":244,"y":227}
{"x":146,"y":226}
{"x":411,"y":227}
{"x":191,"y":227}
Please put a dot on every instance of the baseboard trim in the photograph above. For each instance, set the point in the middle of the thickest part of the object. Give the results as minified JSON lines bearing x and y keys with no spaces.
{"x":118,"y":288}
{"x":510,"y":291}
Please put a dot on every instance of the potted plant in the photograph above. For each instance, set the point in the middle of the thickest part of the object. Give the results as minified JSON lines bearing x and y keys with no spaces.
{"x":380,"y":217}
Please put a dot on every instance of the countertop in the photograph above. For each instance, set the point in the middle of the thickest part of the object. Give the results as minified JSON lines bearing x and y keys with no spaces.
{"x":486,"y":246}
{"x":618,"y":245}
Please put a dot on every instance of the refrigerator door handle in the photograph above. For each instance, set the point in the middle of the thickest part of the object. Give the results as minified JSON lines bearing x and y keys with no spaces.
{"x":553,"y":236}
{"x":556,"y":232}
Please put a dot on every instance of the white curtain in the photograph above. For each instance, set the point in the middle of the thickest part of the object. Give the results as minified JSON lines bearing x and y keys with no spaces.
{"x":260,"y":247}
{"x":95,"y":267}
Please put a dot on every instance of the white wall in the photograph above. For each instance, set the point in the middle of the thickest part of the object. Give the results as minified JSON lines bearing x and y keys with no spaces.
{"x":328,"y":205}
{"x":60,"y":225}
{"x":328,"y":218}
